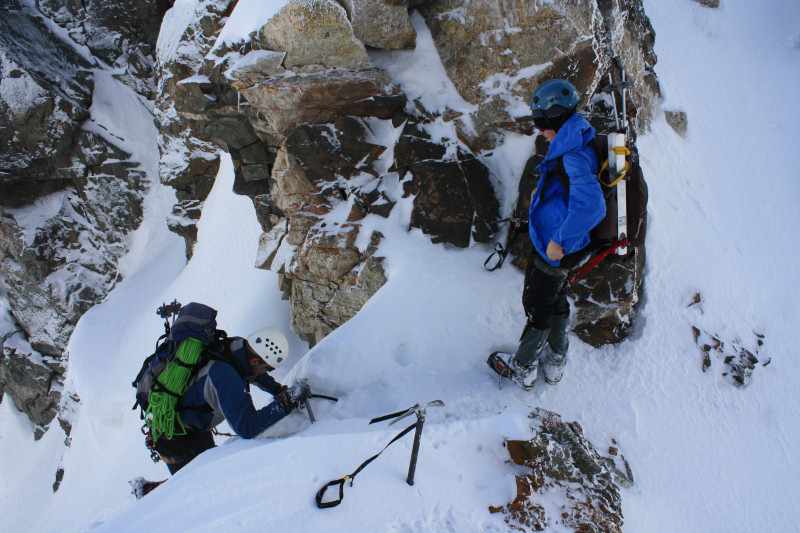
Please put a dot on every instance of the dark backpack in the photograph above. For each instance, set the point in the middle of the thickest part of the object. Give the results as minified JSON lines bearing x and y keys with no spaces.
{"x":194,"y":321}
{"x":605,"y":233}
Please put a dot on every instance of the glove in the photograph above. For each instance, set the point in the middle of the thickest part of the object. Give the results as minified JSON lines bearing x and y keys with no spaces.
{"x":289,"y":398}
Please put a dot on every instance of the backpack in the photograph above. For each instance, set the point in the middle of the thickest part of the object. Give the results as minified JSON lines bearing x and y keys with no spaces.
{"x":605,"y":233}
{"x":186,"y":346}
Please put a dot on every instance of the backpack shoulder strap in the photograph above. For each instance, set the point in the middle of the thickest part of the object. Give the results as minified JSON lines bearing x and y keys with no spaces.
{"x":561,"y":171}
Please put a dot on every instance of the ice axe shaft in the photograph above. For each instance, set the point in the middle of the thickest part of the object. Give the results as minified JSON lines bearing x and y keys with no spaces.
{"x":412,"y":467}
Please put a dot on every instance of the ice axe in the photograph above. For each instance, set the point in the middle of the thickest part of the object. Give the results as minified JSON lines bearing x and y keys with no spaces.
{"x":305,"y":404}
{"x":417,"y":409}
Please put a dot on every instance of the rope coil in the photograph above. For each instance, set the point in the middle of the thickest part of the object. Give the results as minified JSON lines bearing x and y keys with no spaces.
{"x":161,"y":415}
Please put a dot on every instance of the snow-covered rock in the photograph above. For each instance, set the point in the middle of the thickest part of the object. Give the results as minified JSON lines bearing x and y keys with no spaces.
{"x":569,"y":484}
{"x":382,"y":23}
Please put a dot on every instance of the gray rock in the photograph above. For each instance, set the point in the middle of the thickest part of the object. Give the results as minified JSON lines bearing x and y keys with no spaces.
{"x":57,"y":269}
{"x":708,"y":3}
{"x":606,"y":300}
{"x":314,"y":32}
{"x":183,"y":221}
{"x":453,"y":198}
{"x":381,"y":23}
{"x":282,"y":103}
{"x":326,"y":277}
{"x":496,"y":53}
{"x":559,"y":460}
{"x":678,"y":121}
{"x":34,"y":385}
{"x":111,"y":30}
{"x":45,"y":93}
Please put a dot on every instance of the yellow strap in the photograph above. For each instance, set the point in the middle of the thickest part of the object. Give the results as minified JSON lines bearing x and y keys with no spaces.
{"x":618,"y":150}
{"x":621,"y":150}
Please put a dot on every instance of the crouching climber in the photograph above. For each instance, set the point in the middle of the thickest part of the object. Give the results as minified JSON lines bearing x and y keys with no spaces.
{"x":199,"y":378}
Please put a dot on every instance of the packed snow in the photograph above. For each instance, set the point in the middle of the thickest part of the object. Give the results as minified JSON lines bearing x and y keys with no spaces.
{"x":706,"y":456}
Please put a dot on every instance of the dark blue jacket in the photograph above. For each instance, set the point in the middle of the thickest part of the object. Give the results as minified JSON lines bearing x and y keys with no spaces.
{"x":567,"y":218}
{"x":219,"y":391}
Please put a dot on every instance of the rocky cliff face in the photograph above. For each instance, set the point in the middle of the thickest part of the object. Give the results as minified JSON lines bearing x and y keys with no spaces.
{"x":68,"y":193}
{"x":321,"y":138}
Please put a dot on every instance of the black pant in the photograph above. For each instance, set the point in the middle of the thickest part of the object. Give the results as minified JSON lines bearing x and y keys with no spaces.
{"x":180,"y":449}
{"x":545,"y":292}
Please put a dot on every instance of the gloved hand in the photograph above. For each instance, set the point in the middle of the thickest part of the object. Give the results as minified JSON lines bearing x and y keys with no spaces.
{"x":289,"y":398}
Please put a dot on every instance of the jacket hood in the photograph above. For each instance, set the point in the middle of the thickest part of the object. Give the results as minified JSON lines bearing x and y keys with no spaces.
{"x":573,"y":135}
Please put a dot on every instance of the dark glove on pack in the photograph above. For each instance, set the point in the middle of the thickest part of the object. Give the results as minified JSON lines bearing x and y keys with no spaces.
{"x":289,"y":398}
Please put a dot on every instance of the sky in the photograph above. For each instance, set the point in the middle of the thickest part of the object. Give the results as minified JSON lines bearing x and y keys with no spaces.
{"x":706,"y":456}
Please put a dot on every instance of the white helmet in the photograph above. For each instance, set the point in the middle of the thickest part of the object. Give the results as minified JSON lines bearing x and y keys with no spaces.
{"x":271,"y":345}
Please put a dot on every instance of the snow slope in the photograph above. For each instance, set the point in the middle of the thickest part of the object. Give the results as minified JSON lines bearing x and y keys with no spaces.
{"x":706,"y":456}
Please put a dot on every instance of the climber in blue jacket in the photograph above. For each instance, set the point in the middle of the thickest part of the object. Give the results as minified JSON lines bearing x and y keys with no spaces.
{"x":220,"y":391}
{"x":559,"y":221}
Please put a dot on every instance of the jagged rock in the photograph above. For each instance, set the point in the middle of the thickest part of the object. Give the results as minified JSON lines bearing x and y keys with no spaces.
{"x":325,"y":274}
{"x":255,"y":67}
{"x":332,"y":280}
{"x":497,"y":52}
{"x":120,"y":34}
{"x":284,"y":102}
{"x":453,"y":198}
{"x":570,"y":485}
{"x":32,"y":381}
{"x":678,"y":121}
{"x":183,"y":221}
{"x":606,"y":300}
{"x":314,"y":32}
{"x":627,"y":31}
{"x":45,"y":93}
{"x":200,"y":114}
{"x":180,"y":58}
{"x":381,"y":23}
{"x":111,"y":30}
{"x":58,"y":255}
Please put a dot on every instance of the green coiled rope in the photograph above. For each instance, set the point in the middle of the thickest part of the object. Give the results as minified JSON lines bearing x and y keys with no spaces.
{"x":171,"y":385}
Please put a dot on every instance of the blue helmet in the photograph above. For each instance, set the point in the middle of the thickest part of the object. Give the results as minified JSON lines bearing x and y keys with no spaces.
{"x":553,"y":98}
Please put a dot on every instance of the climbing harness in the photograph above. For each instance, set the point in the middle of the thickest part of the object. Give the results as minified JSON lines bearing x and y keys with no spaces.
{"x":416,"y":409}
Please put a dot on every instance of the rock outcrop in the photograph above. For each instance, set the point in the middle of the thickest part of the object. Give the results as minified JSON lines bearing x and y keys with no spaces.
{"x":68,"y":195}
{"x":496,"y":53}
{"x":569,"y":485}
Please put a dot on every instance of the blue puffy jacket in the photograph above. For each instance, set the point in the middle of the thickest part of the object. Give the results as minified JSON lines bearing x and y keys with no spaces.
{"x":219,"y":391}
{"x":567,"y":218}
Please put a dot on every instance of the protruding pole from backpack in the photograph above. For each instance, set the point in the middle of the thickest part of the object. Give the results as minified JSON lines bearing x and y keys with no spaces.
{"x":412,"y":467}
{"x":624,"y":102}
{"x":613,"y":101}
{"x":622,"y":193}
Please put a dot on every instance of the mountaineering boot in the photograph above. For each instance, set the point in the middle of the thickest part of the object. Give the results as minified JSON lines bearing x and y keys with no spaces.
{"x":555,"y":357}
{"x":140,"y":487}
{"x":505,"y":365}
